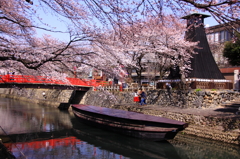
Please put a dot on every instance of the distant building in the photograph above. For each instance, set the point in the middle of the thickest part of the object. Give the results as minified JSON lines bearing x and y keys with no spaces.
{"x":217,"y":35}
{"x":220,"y":33}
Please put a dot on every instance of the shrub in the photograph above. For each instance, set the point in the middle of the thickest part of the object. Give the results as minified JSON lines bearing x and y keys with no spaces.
{"x":198,"y":89}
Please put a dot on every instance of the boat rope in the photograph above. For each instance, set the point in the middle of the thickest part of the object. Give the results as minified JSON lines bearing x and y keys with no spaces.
{"x":13,"y":142}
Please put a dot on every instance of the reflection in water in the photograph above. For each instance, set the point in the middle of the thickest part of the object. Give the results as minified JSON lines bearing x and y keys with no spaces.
{"x":198,"y":148}
{"x":38,"y":132}
{"x":65,"y":148}
{"x":87,"y":142}
{"x":51,"y":148}
{"x":25,"y":117}
{"x":125,"y":145}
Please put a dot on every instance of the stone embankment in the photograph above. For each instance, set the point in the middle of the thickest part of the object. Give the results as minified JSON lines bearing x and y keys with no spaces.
{"x":48,"y":97}
{"x":182,"y":99}
{"x":210,"y":114}
{"x":206,"y":123}
{"x":205,"y":111}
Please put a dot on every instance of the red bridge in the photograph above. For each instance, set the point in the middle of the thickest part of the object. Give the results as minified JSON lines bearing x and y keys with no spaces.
{"x":29,"y":81}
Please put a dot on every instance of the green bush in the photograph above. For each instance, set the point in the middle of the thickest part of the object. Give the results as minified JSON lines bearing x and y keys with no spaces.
{"x":198,"y":89}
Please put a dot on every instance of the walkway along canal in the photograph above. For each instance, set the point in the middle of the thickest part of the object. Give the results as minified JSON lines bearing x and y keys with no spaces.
{"x":210,"y":114}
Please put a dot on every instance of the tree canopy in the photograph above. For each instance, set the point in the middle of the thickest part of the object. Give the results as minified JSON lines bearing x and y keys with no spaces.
{"x":23,"y":50}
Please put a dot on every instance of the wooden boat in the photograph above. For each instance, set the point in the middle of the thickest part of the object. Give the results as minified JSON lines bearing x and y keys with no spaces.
{"x":129,"y":123}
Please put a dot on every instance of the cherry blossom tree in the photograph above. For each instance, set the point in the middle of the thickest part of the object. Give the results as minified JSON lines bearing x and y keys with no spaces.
{"x":150,"y":41}
{"x":217,"y":51}
{"x":22,"y":49}
{"x":128,"y":11}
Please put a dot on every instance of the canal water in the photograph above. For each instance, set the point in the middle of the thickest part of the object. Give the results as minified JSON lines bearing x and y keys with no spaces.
{"x":31,"y":131}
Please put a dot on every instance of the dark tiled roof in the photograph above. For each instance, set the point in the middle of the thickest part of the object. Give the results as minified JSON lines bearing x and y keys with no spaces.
{"x":196,"y":14}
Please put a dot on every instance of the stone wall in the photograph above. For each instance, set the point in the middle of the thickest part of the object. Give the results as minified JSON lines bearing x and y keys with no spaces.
{"x":52,"y":97}
{"x":181,"y":99}
{"x":193,"y":98}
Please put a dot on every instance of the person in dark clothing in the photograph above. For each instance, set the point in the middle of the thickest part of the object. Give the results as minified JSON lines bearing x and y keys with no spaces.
{"x":169,"y":87}
{"x":143,"y":98}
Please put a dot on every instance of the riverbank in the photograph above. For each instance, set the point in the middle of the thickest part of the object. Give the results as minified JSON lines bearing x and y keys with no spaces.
{"x":220,"y":124}
{"x":219,"y":121}
{"x":211,"y":114}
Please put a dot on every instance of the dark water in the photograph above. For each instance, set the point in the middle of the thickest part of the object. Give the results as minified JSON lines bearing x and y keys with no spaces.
{"x":38,"y":132}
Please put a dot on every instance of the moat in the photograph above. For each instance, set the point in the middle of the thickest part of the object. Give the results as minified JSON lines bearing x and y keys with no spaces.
{"x":33,"y":131}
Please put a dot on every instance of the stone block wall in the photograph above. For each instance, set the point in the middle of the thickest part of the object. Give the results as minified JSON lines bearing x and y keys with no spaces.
{"x":160,"y":97}
{"x":163,"y":98}
{"x":192,"y":98}
{"x":51,"y":97}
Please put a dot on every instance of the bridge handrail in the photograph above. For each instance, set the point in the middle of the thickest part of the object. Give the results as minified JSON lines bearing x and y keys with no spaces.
{"x":30,"y":79}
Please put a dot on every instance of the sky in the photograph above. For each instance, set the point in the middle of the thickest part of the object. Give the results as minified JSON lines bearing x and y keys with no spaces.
{"x":65,"y":37}
{"x":59,"y":25}
{"x":52,"y":21}
{"x":210,"y":21}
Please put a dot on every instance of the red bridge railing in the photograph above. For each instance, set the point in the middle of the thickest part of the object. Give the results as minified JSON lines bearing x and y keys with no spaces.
{"x":29,"y":79}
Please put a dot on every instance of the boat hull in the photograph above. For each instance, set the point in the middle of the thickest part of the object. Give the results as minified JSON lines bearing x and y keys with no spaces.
{"x":127,"y":124}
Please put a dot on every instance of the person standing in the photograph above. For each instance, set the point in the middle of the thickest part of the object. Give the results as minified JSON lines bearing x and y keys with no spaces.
{"x":139,"y":94}
{"x":169,"y":87}
{"x":143,"y":98}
